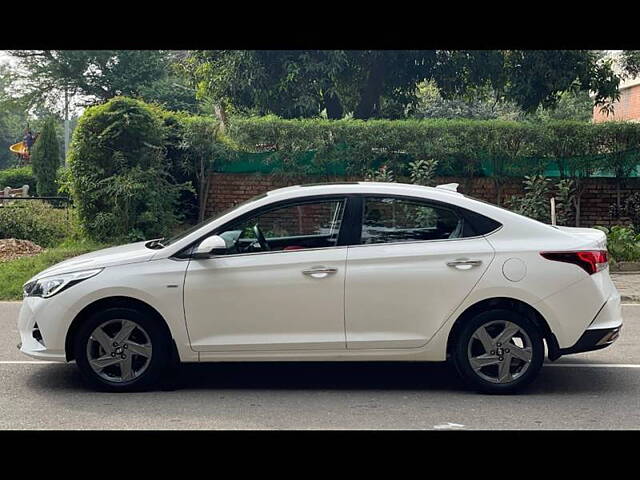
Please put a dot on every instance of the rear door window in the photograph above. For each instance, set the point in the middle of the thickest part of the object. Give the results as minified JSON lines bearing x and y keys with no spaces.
{"x":393,"y":220}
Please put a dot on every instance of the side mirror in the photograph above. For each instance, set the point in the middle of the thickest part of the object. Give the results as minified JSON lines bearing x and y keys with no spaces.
{"x":210,"y":246}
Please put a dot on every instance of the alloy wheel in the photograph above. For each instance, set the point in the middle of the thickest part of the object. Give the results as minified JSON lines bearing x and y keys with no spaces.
{"x":499,"y":351}
{"x":119,"y":350}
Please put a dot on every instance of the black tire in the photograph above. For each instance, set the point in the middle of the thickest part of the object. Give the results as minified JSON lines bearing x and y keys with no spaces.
{"x":158,"y":362}
{"x":463,"y":345}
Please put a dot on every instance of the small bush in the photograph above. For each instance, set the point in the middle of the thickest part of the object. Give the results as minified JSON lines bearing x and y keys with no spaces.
{"x":632,"y":208}
{"x":17,"y":177}
{"x":37,"y":221}
{"x":535,"y":201}
{"x":623,"y":243}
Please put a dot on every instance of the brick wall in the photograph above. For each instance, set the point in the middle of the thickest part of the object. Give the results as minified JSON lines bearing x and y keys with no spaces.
{"x":626,"y":108}
{"x":229,"y":189}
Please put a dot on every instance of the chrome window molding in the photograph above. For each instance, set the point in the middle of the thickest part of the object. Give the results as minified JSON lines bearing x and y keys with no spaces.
{"x":271,"y":252}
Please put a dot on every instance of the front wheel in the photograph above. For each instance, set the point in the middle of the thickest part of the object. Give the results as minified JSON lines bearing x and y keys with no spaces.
{"x":498,"y":351}
{"x":121,"y":349}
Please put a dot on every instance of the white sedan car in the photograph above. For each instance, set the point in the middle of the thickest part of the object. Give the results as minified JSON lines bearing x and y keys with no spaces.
{"x":332,"y":272}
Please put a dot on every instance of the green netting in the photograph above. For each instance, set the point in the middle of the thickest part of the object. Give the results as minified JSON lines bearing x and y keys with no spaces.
{"x":607,"y":165}
{"x":273,"y":162}
{"x":337,"y":162}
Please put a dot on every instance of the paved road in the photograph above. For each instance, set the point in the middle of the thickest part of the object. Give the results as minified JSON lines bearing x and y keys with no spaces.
{"x":599,"y":390}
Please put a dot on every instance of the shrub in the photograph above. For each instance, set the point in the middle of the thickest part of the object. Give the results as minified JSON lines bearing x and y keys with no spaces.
{"x":37,"y":221}
{"x":623,"y":243}
{"x":421,"y":172}
{"x":17,"y":177}
{"x":382,"y":174}
{"x":535,"y":201}
{"x":121,"y":184}
{"x":632,"y":208}
{"x":45,"y":159}
{"x":565,"y":196}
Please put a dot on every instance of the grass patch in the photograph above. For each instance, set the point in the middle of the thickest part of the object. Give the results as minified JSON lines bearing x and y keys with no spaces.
{"x":14,"y":273}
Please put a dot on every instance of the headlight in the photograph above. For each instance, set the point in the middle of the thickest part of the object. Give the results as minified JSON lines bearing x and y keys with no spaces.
{"x":48,"y":286}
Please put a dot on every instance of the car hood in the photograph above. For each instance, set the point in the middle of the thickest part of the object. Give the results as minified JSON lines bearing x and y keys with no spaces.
{"x":107,"y":257}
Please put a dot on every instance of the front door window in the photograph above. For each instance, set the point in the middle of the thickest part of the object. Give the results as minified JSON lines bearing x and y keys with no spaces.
{"x":295,"y":226}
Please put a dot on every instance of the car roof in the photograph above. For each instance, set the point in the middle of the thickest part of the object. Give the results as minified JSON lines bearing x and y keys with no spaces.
{"x":362,"y":187}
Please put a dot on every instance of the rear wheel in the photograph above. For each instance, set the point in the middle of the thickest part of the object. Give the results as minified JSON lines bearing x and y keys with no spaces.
{"x":498,"y":351}
{"x":121,"y":349}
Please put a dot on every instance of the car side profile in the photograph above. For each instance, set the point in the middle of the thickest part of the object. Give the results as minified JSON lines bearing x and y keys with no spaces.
{"x":358,"y":271}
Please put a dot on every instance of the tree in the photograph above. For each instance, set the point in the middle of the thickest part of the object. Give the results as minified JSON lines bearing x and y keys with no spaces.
{"x":12,"y":119}
{"x":95,"y":76}
{"x":575,"y":106}
{"x":120,"y":181}
{"x":303,"y":83}
{"x":45,"y":160}
{"x":370,"y":83}
{"x":286,"y":82}
{"x":201,"y":147}
{"x":485,"y":105}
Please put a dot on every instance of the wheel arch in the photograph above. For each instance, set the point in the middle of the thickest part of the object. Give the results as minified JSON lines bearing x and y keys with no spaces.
{"x":510,"y":304}
{"x":110,"y":302}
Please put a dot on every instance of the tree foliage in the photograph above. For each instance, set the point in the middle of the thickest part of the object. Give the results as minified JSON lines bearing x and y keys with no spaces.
{"x":383,"y":84}
{"x":45,"y":160}
{"x":201,"y":147}
{"x":12,"y":119}
{"x":43,"y":77}
{"x":485,"y":104}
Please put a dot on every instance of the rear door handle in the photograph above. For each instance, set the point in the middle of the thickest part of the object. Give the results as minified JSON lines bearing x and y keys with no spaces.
{"x":319,"y":271}
{"x":464,"y":263}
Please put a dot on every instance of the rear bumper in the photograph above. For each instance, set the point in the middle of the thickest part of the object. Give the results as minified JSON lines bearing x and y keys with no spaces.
{"x":603,"y":330}
{"x":593,"y":340}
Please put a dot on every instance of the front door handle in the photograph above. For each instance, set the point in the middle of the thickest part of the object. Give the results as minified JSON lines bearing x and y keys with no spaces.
{"x":319,"y":272}
{"x":464,"y":263}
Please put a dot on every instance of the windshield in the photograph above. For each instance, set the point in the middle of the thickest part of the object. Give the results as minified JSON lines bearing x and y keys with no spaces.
{"x":192,"y":229}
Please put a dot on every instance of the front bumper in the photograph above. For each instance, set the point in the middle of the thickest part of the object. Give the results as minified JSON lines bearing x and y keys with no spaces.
{"x":37,"y":340}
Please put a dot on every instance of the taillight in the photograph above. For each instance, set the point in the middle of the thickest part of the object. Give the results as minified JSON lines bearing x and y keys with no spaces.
{"x":591,"y":261}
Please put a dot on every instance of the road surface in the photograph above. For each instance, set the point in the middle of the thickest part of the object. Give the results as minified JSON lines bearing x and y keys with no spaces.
{"x":598,"y":390}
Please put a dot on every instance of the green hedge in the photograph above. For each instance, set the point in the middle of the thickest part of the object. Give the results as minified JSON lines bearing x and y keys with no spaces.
{"x":17,"y":177}
{"x":462,"y":147}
